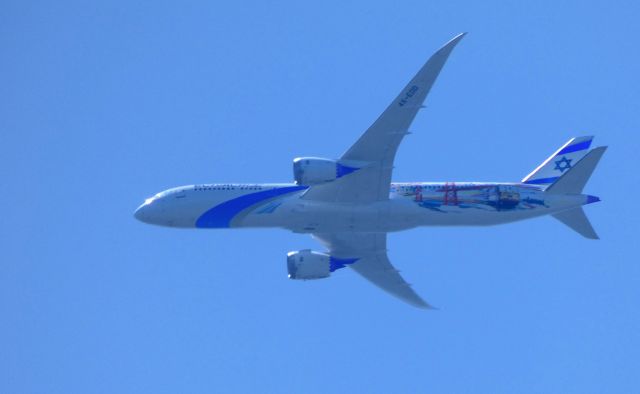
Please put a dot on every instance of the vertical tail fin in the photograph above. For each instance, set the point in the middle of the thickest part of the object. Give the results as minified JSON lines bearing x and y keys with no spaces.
{"x":576,"y":177}
{"x":561,"y":161}
{"x":572,"y":182}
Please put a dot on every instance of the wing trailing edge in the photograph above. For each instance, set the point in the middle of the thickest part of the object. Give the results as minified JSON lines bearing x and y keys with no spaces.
{"x":373,"y":263}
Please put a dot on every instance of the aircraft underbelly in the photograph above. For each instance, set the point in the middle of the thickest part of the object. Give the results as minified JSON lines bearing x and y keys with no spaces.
{"x":388,"y":216}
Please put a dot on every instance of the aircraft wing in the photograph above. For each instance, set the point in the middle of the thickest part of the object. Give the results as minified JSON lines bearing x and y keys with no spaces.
{"x":375,"y":151}
{"x":370,"y":252}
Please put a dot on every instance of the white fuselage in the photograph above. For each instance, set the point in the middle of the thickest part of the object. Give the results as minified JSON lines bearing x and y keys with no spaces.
{"x":409,"y":205}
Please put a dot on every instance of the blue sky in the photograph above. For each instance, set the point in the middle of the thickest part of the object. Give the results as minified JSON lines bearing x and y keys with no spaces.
{"x":104,"y":104}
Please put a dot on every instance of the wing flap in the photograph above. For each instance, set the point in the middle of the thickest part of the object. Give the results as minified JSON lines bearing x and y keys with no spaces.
{"x":379,"y":271}
{"x":373,"y":263}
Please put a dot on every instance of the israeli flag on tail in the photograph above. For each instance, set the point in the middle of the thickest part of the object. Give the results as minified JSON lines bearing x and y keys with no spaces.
{"x":560,"y":162}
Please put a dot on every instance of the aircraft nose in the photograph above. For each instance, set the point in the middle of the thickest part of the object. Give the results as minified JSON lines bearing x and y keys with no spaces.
{"x":145,"y":212}
{"x":141,"y":213}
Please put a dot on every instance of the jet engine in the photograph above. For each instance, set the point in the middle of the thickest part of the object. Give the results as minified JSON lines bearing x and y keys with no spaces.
{"x":308,"y":264}
{"x":309,"y":171}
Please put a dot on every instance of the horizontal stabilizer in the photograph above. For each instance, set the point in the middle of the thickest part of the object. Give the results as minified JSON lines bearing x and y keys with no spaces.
{"x":577,"y":220}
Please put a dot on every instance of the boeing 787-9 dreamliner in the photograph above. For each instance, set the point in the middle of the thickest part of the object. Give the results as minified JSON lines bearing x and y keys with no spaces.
{"x":350,"y":204}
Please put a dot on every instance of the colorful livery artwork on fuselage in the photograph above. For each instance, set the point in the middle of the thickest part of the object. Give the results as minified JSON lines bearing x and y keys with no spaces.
{"x":451,"y":196}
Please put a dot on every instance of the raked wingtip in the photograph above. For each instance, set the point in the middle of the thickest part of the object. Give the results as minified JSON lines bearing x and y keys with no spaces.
{"x":454,"y":41}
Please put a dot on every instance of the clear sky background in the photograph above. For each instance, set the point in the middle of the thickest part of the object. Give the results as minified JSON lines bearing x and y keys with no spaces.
{"x":105,"y":104}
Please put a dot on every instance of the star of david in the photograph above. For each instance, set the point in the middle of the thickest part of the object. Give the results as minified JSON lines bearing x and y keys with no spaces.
{"x":563,"y":164}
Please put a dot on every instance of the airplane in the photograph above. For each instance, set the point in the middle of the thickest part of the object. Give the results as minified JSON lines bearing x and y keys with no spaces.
{"x":350,"y":204}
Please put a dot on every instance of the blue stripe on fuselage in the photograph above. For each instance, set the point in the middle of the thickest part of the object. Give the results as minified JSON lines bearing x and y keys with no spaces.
{"x":221,"y":215}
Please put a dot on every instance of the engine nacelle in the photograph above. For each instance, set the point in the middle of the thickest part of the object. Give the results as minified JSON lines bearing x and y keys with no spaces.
{"x":314,"y":170}
{"x":308,"y":264}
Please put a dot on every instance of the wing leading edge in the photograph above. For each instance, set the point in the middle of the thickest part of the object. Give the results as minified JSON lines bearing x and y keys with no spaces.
{"x":372,"y":263}
{"x":372,"y":159}
{"x":381,"y":140}
{"x":376,"y":149}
